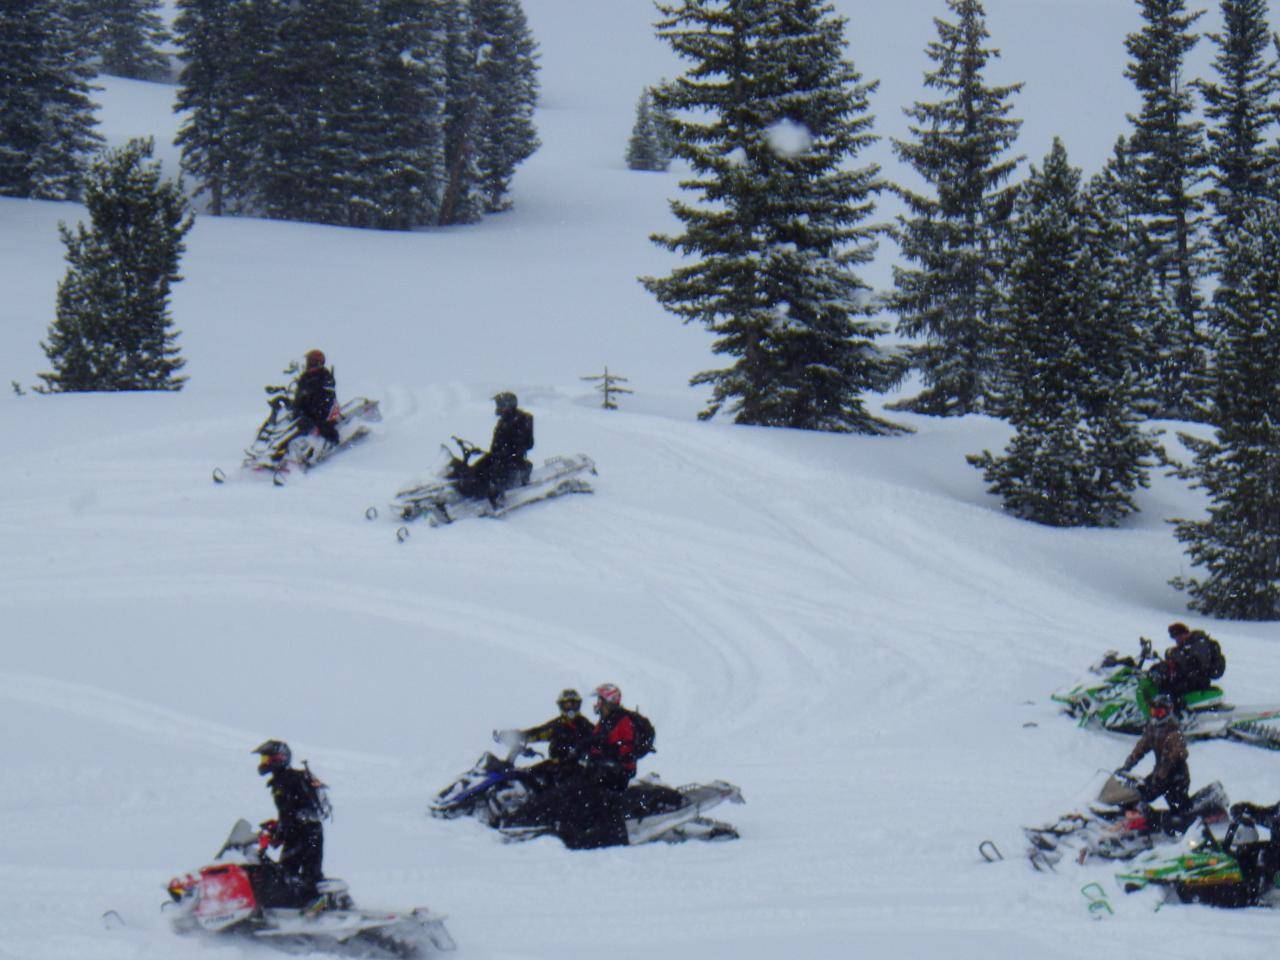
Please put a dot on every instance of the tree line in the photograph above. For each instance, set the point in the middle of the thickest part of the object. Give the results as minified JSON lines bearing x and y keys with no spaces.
{"x":366,"y":113}
{"x":1075,"y":309}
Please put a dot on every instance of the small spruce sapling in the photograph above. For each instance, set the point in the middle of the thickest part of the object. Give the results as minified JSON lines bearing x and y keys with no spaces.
{"x":607,"y":387}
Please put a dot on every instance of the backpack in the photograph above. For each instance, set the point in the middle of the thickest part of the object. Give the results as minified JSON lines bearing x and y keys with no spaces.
{"x":1216,"y":662}
{"x":318,"y":793}
{"x":644,"y":733}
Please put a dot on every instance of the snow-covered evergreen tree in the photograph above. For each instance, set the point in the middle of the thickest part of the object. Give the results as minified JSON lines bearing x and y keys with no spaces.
{"x":1238,"y":544}
{"x":952,"y":234}
{"x":649,"y":147}
{"x":46,"y":116}
{"x":209,"y":93}
{"x":771,"y":116}
{"x":113,"y":330}
{"x":507,"y":77}
{"x":309,"y":137}
{"x":126,"y":36}
{"x":462,"y":200}
{"x":1170,"y":164}
{"x":1241,"y":106}
{"x":1078,"y":453}
{"x":406,"y":162}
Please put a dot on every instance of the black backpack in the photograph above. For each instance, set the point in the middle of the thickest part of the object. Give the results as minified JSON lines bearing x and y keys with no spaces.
{"x":317,"y":793}
{"x":644,"y":733}
{"x":1216,"y":663}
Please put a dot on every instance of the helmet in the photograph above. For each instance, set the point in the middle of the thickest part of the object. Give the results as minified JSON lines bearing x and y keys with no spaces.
{"x":569,"y":700}
{"x":607,"y":693}
{"x":504,"y":401}
{"x":315,"y":358}
{"x":275,"y":756}
{"x":1161,"y":708}
{"x":1178,"y":631}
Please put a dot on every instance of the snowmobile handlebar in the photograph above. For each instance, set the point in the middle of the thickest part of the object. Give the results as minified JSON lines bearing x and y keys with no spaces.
{"x":466,"y":448}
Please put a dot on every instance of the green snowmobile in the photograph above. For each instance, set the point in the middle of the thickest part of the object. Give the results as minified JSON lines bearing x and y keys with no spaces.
{"x":1116,"y":693}
{"x":1223,"y":869}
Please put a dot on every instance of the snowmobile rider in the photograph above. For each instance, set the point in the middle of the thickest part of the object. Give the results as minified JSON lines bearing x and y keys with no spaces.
{"x":566,"y":734}
{"x":314,"y":398}
{"x":611,"y":748}
{"x":297,"y":829}
{"x":504,"y":466}
{"x":1170,"y":778}
{"x":585,"y":810}
{"x":1192,"y":663}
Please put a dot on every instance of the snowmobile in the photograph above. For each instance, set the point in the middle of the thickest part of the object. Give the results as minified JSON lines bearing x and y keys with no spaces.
{"x":497,"y":789}
{"x":280,"y":444}
{"x":1117,"y":825}
{"x":223,"y":898}
{"x":495,"y":786}
{"x":1117,"y":690}
{"x":441,"y":501}
{"x":1215,"y":864}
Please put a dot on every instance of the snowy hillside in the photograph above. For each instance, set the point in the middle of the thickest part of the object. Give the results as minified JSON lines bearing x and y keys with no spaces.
{"x":846,"y":627}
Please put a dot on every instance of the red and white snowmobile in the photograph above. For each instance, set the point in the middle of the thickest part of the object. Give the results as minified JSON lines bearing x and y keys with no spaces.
{"x":281,"y":444}
{"x":223,"y":898}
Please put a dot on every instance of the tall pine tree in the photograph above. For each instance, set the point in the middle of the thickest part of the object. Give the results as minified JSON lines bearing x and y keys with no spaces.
{"x":1242,"y":108}
{"x":46,"y":116}
{"x":406,"y":160}
{"x":953,"y":235}
{"x":209,"y":90}
{"x":1238,"y":544}
{"x":771,"y":117}
{"x":507,"y":76}
{"x":462,"y":201}
{"x":126,"y":36}
{"x":1170,"y":165}
{"x":648,"y":147}
{"x":113,"y":330}
{"x":1078,"y":453}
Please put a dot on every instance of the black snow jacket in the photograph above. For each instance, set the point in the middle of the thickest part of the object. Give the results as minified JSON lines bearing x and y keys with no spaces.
{"x":566,"y":736}
{"x":315,"y":395}
{"x":512,"y":437}
{"x":297,"y":808}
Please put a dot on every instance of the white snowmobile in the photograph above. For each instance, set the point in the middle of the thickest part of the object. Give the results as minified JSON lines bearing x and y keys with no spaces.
{"x":281,"y":444}
{"x":441,"y":501}
{"x":224,"y":898}
{"x":1118,"y":826}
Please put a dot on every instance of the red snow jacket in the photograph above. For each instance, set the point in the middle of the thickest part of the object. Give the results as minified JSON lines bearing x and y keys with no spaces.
{"x":613,"y":743}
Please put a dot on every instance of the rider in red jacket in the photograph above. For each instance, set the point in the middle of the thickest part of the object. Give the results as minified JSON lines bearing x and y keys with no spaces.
{"x":611,"y":751}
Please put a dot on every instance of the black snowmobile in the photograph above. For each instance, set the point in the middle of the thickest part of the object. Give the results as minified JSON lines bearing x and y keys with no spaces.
{"x":498,"y":791}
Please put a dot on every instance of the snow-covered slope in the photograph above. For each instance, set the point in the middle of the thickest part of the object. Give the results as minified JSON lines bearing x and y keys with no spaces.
{"x":846,"y":627}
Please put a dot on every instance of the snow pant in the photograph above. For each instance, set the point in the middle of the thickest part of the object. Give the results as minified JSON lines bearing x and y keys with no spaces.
{"x":488,"y":477}
{"x":326,"y":428}
{"x":1172,"y":787}
{"x":292,"y":881}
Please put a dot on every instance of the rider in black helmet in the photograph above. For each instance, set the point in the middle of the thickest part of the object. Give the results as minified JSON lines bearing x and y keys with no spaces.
{"x":504,"y":466}
{"x":297,"y":829}
{"x":565,"y":734}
